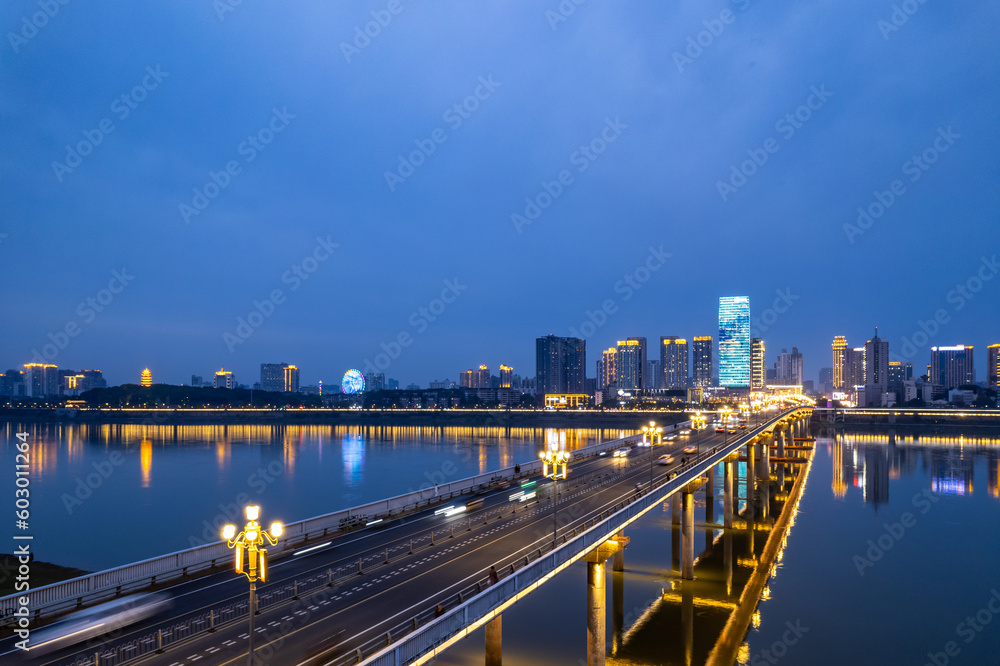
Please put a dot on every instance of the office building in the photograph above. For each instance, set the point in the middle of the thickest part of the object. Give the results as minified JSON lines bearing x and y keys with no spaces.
{"x":630,"y":362}
{"x":41,"y":380}
{"x":12,"y":383}
{"x":674,"y":362}
{"x":840,"y":363}
{"x":899,"y":373}
{"x":506,"y":376}
{"x":374,"y":381}
{"x":225,"y":379}
{"x":758,"y":367}
{"x":788,"y":368}
{"x":952,"y":367}
{"x":993,"y":366}
{"x":854,"y":368}
{"x":560,"y":365}
{"x":876,"y":370}
{"x":734,"y":341}
{"x":145,"y":379}
{"x":701,"y":351}
{"x":475,"y":379}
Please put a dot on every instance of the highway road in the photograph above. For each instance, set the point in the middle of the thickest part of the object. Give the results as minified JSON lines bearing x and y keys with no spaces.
{"x":328,"y":621}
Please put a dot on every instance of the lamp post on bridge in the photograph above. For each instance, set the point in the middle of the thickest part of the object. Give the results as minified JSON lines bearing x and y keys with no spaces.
{"x":250,"y":541}
{"x":556,"y":458}
{"x":653,"y":432}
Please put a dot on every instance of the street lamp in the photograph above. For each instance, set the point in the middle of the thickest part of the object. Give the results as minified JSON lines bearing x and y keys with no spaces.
{"x":653,"y":432}
{"x":250,"y":541}
{"x":557,"y":459}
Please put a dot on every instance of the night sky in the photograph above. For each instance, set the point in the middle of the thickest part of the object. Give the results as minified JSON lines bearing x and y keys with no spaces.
{"x":524,"y":165}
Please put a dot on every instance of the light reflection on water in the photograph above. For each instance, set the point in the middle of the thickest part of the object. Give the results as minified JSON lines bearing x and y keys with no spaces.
{"x":110,"y":494}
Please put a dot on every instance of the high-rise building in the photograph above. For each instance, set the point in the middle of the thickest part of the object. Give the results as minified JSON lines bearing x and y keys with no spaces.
{"x":560,"y":365}
{"x":91,"y":379}
{"x":279,"y":378}
{"x":702,"y":360}
{"x":374,"y":381}
{"x":12,"y":383}
{"x":734,"y":341}
{"x":952,"y":367}
{"x":652,"y":377}
{"x":483,"y":379}
{"x":606,"y":376}
{"x":876,"y":357}
{"x":674,"y":362}
{"x":465,"y":378}
{"x":41,"y":380}
{"x":839,"y":362}
{"x":788,"y":368}
{"x":506,"y":376}
{"x":225,"y":379}
{"x":630,"y":361}
{"x":993,"y":366}
{"x":758,"y":367}
{"x":146,"y":378}
{"x":854,"y":368}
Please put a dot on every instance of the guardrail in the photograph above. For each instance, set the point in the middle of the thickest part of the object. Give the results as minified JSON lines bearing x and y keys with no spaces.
{"x":90,"y":588}
{"x":409,"y":640}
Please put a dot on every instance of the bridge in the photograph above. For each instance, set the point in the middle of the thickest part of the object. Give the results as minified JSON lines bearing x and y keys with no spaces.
{"x":398,"y":581}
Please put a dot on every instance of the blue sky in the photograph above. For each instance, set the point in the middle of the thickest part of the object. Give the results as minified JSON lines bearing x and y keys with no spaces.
{"x":622,"y":122}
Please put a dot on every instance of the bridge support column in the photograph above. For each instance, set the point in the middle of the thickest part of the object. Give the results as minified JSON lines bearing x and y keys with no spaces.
{"x":709,"y":507}
{"x":595,"y":614}
{"x":751,"y":484}
{"x":618,"y":559}
{"x":780,"y":437}
{"x":687,"y":536}
{"x":494,"y":641}
{"x":727,"y":501}
{"x":675,"y":532}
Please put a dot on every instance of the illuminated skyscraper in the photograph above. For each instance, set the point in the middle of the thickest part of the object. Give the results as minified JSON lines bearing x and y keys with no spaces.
{"x":876,"y":370}
{"x":225,"y":379}
{"x":482,"y":379}
{"x":674,"y":361}
{"x":952,"y":367}
{"x":41,"y":380}
{"x":854,"y":368}
{"x":702,"y":360}
{"x":993,"y":366}
{"x":279,"y":377}
{"x":291,"y":379}
{"x":607,"y":374}
{"x":630,"y":361}
{"x":560,"y":365}
{"x":758,"y":367}
{"x":506,"y":376}
{"x":734,"y":341}
{"x":839,"y":362}
{"x":146,"y":379}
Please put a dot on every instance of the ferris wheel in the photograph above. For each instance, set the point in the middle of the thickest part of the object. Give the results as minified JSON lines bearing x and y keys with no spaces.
{"x":353,"y":382}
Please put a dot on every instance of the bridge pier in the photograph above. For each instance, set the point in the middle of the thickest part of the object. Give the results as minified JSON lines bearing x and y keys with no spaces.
{"x":727,"y":501}
{"x":709,"y":507}
{"x":494,"y":641}
{"x":596,"y":600}
{"x":687,"y":529}
{"x":675,"y":532}
{"x":781,"y":454}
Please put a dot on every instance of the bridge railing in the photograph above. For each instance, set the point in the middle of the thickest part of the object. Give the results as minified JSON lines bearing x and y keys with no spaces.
{"x":76,"y":592}
{"x":521,"y":575}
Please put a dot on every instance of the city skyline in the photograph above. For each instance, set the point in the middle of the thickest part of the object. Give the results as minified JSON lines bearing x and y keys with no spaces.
{"x":334,"y":204}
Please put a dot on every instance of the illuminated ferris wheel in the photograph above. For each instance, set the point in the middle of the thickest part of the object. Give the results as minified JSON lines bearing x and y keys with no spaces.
{"x":353,"y":382}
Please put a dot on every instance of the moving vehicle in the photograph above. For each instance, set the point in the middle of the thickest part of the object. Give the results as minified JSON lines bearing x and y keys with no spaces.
{"x":665,"y":459}
{"x":720,"y":429}
{"x":97,"y":620}
{"x":621,"y":453}
{"x":670,"y":437}
{"x":690,"y":449}
{"x":686,"y":431}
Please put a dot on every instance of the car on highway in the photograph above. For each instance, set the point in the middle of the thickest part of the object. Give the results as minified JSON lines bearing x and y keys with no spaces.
{"x":670,"y":437}
{"x":720,"y":429}
{"x":101,"y":619}
{"x":621,"y":453}
{"x":686,"y":431}
{"x":665,"y":459}
{"x":690,"y":449}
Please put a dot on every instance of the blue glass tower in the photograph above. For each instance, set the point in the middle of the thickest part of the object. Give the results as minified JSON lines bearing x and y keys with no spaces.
{"x":734,"y":341}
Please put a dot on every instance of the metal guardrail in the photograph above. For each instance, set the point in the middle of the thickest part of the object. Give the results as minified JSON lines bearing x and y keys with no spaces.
{"x":75,"y":592}
{"x":469,"y":613}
